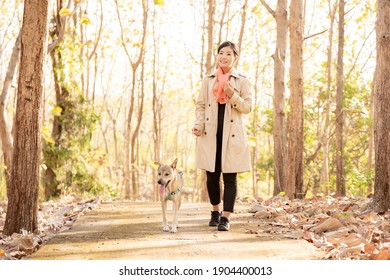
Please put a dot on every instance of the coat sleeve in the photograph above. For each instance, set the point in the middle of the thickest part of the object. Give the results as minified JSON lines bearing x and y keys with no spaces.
{"x":242,"y":100}
{"x":200,"y":106}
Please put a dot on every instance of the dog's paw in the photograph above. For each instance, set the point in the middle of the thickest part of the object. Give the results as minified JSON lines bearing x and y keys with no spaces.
{"x":166,"y":228}
{"x":173,"y":230}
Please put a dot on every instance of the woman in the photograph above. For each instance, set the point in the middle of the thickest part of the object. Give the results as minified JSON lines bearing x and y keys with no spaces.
{"x":222,"y":146}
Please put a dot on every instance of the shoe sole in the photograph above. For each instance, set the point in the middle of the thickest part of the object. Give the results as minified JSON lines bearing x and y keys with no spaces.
{"x":223,"y":229}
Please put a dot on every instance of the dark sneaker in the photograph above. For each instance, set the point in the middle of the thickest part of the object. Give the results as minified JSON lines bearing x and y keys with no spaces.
{"x":224,"y":224}
{"x":214,"y":221}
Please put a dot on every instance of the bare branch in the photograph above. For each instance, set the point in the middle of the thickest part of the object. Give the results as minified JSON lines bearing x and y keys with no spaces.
{"x":315,"y":34}
{"x":269,"y":9}
{"x":100,"y":32}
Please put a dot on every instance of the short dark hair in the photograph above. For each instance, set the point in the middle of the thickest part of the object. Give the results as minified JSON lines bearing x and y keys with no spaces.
{"x":229,"y":44}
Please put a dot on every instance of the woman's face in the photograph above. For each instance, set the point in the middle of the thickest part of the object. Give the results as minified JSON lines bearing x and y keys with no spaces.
{"x":226,"y":58}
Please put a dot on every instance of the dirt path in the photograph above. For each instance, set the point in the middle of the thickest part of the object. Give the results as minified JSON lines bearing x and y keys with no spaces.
{"x":132,"y":230}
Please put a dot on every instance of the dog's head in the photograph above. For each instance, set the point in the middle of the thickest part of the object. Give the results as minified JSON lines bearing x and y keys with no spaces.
{"x":166,"y":174}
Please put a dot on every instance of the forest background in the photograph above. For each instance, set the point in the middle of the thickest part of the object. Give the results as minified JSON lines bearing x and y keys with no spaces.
{"x":121,"y":79}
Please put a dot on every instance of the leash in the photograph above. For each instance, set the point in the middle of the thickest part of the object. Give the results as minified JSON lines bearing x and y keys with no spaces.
{"x":179,"y":189}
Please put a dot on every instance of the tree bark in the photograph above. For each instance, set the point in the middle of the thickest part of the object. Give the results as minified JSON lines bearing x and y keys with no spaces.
{"x":381,"y":199}
{"x":340,"y":181}
{"x":324,"y":179}
{"x":371,"y":140}
{"x":294,"y":184}
{"x":210,"y":33}
{"x":5,"y":132}
{"x":242,"y":28}
{"x":129,"y":158}
{"x":22,"y":210}
{"x":156,"y":107}
{"x":279,"y":121}
{"x":222,"y":20}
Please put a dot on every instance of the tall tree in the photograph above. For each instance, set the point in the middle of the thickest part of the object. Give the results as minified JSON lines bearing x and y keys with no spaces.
{"x":340,"y":182}
{"x":57,"y":33}
{"x":130,"y":180}
{"x":242,"y":28}
{"x":156,"y":103}
{"x":5,"y":131}
{"x":324,"y":179}
{"x":210,"y":35}
{"x":279,"y":120}
{"x":22,"y":210}
{"x":222,"y":20}
{"x":381,"y":199}
{"x":294,"y":184}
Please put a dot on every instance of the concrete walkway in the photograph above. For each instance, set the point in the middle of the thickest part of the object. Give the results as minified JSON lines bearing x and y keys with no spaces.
{"x":133,"y":231}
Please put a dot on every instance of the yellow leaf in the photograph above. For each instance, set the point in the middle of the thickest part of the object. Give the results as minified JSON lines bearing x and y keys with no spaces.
{"x":57,"y":111}
{"x":2,"y":253}
{"x":84,"y":20}
{"x":282,"y":194}
{"x":159,"y":2}
{"x":46,"y":136}
{"x":65,"y":12}
{"x":50,"y":140}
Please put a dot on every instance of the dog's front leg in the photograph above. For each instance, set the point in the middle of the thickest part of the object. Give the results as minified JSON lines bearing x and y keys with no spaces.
{"x":175,"y":214}
{"x":164,"y":213}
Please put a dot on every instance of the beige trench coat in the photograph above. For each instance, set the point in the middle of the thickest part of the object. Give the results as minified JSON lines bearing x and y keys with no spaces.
{"x":235,"y":149}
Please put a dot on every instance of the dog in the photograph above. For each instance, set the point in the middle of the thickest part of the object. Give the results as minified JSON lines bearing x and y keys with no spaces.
{"x":170,"y":181}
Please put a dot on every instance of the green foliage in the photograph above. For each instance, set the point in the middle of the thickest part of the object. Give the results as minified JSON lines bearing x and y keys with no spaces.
{"x":71,"y":157}
{"x":69,"y":153}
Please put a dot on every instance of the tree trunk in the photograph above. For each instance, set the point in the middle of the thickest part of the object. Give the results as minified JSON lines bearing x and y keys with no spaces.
{"x":222,"y":20}
{"x":134,"y":151}
{"x":324,"y":179}
{"x":49,"y":178}
{"x":371,"y":140}
{"x":156,"y":109}
{"x":22,"y":210}
{"x":340,"y":181}
{"x":381,"y":200}
{"x":279,"y":121}
{"x":129,"y":161}
{"x":5,"y":132}
{"x":243,"y":21}
{"x":210,"y":33}
{"x":294,"y":182}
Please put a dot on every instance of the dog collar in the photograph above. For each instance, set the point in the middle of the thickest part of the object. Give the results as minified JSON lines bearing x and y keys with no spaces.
{"x":174,"y":193}
{"x":178,"y":190}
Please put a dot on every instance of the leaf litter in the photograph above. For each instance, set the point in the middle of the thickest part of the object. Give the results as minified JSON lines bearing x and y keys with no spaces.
{"x":54,"y":217}
{"x":344,"y":228}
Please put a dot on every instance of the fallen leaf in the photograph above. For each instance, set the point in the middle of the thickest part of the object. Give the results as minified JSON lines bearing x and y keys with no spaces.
{"x":328,"y":225}
{"x":352,"y":240}
{"x":369,"y":248}
{"x":263,"y":214}
{"x":371,"y":217}
{"x":382,"y":255}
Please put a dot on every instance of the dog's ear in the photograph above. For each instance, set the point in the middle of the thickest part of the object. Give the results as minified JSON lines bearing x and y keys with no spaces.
{"x":173,"y":165}
{"x":157,"y":163}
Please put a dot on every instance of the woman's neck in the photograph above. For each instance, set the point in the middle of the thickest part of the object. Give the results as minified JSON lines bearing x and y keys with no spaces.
{"x":225,"y":70}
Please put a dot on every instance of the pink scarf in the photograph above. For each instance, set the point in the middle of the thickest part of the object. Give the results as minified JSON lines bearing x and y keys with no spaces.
{"x":219,"y":85}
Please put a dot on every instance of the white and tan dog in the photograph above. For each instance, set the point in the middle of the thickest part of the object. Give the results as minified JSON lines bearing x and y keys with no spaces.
{"x":170,"y":181}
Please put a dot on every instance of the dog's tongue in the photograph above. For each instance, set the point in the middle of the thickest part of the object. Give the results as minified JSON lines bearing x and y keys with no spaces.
{"x":161,"y":189}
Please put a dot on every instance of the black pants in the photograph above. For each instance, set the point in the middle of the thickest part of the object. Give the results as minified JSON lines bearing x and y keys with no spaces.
{"x":213,"y":178}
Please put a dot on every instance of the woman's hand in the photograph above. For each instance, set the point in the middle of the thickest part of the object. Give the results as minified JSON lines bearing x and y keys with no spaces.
{"x":196,"y":132}
{"x":229,"y":90}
